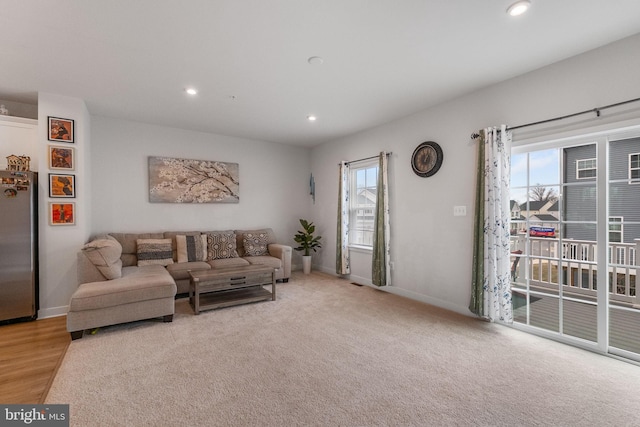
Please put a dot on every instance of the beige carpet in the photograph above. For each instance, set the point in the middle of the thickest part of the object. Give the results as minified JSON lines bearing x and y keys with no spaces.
{"x":328,"y":353}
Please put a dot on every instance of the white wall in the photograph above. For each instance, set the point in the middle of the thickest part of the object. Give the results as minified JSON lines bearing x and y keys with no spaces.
{"x":112,"y":188}
{"x":19,"y":137}
{"x":59,"y":244}
{"x":432,"y":249}
{"x":274,"y":181}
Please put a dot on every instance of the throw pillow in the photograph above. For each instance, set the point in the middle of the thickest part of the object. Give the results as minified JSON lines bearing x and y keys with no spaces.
{"x":191,"y":248}
{"x":221,"y":245}
{"x":255,"y":244}
{"x":154,"y":251}
{"x":105,"y":255}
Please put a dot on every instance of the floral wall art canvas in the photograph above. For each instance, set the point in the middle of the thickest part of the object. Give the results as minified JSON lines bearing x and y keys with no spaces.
{"x":174,"y":180}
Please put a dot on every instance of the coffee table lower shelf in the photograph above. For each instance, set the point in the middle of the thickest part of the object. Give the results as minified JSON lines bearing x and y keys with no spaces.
{"x":225,"y":287}
{"x":232,"y":297}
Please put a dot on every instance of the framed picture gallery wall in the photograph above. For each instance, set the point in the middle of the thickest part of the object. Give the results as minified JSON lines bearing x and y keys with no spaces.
{"x":62,"y":213}
{"x":62,"y":159}
{"x":62,"y":185}
{"x":61,"y":130}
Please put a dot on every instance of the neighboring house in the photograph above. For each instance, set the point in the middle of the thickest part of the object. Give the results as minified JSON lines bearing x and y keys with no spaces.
{"x":536,"y":207}
{"x":515,"y":209}
{"x":517,"y":220}
{"x":624,"y":191}
{"x":544,"y":220}
{"x":548,"y":215}
{"x":539,"y":214}
{"x":363,"y":217}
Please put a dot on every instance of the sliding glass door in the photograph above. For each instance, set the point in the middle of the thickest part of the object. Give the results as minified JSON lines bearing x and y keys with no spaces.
{"x":624,"y":245}
{"x":576,"y":224}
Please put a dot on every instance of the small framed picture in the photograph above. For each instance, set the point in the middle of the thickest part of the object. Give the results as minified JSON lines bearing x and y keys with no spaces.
{"x":61,"y":130}
{"x":61,"y":158}
{"x":62,"y":213}
{"x":62,"y":185}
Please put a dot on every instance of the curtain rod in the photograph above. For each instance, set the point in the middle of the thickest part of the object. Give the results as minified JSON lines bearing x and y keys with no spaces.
{"x":367,"y":158}
{"x":596,"y":110}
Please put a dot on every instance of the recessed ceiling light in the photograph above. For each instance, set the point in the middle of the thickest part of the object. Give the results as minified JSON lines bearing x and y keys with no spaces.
{"x":315,"y":60}
{"x":191,"y":91}
{"x":312,"y":118}
{"x":518,"y":8}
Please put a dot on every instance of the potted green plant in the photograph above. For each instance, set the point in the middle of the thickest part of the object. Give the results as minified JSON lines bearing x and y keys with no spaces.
{"x":306,"y":242}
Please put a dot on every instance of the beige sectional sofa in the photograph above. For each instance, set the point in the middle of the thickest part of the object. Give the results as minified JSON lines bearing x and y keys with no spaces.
{"x":125,"y":277}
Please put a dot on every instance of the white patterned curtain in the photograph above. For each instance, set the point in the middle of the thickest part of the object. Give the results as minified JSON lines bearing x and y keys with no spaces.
{"x":491,"y":282}
{"x":342,"y":237}
{"x":380,"y":268}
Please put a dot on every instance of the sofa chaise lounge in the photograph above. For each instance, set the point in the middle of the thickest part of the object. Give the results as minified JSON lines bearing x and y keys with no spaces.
{"x":124,"y":277}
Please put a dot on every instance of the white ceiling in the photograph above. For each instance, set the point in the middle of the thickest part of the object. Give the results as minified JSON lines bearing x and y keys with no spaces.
{"x":383,"y":59}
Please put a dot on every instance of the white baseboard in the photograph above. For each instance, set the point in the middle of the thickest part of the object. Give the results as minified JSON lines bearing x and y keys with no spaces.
{"x":428,"y":300}
{"x":404,"y":293}
{"x":53,"y":312}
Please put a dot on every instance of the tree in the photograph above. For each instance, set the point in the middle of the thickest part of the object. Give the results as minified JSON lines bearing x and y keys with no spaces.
{"x":540,"y":193}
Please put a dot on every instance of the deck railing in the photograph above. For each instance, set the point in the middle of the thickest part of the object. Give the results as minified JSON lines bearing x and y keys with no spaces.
{"x":574,"y":263}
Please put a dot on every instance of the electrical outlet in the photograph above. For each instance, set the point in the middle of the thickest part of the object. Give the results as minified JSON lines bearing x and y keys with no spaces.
{"x":459,"y":211}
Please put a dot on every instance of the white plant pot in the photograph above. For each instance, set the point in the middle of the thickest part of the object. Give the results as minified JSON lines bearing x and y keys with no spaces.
{"x":306,"y":264}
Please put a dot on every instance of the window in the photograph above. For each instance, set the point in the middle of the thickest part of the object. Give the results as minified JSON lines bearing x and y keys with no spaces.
{"x":634,"y":167}
{"x":362,"y":204}
{"x":586,"y":168}
{"x":615,"y":229}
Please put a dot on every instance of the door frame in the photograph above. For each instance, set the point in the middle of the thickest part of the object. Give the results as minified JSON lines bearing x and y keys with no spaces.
{"x":601,"y":136}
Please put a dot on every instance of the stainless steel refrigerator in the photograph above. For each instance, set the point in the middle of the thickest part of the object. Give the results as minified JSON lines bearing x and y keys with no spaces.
{"x":18,"y":246}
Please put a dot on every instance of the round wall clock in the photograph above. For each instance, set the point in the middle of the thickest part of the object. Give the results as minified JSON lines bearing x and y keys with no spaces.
{"x":426,"y":159}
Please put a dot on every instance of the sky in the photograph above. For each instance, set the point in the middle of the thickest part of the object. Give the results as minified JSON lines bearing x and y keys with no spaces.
{"x":544,"y":167}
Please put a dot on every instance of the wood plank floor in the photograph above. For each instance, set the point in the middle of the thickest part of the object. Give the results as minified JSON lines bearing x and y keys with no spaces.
{"x":30,"y":354}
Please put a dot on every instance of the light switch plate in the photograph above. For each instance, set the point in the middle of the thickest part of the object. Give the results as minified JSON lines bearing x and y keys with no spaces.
{"x":459,"y":211}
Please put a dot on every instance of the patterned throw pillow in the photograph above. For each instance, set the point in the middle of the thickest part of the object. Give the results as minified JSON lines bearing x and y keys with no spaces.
{"x":191,"y":248}
{"x":154,"y":251}
{"x":255,"y":244}
{"x":221,"y":245}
